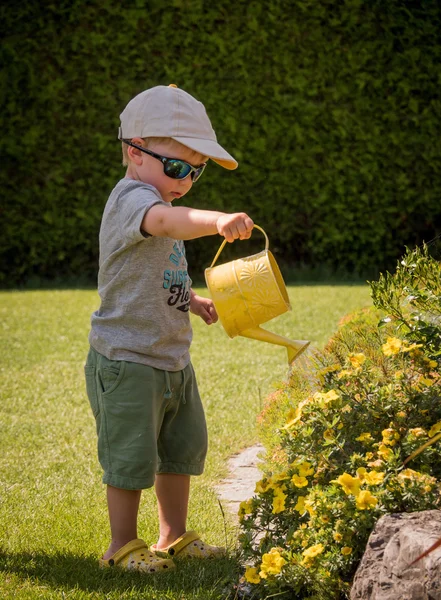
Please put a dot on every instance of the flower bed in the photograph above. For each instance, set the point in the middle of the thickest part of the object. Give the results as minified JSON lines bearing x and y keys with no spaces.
{"x":355,"y":439}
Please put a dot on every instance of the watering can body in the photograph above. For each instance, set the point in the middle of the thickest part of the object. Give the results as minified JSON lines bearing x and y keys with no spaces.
{"x":248,"y":292}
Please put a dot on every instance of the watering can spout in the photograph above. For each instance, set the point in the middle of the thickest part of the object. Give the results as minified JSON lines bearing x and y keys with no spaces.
{"x":294,"y":347}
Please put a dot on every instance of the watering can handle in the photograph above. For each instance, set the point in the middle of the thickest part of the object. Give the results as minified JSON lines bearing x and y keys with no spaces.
{"x":225,"y":241}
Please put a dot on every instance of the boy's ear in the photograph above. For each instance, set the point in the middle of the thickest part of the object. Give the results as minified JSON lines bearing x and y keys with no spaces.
{"x":135,"y":155}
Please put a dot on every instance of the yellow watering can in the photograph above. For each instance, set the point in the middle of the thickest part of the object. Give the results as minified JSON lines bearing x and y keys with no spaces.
{"x":248,"y":292}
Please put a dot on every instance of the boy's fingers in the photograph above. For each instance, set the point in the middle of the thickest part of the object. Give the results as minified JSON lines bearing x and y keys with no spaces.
{"x":213,"y":314}
{"x":246,"y":228}
{"x":240,"y":227}
{"x":229,"y":234}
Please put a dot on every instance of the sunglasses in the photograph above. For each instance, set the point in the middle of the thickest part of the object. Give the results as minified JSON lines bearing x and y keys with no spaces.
{"x":173,"y":167}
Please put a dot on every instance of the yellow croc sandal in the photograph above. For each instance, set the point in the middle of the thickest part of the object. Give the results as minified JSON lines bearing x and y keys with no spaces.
{"x":135,"y":556}
{"x":189,"y":545}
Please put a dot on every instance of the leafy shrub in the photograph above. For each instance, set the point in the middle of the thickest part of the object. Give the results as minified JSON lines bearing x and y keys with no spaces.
{"x":331,"y":108}
{"x":355,"y":440}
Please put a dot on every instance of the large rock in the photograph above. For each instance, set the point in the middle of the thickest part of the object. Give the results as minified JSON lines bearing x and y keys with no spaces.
{"x":397,"y":540}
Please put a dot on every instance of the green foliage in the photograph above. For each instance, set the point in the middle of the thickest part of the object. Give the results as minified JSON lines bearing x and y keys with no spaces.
{"x":356,"y":439}
{"x":412,"y":297}
{"x":332,"y":109}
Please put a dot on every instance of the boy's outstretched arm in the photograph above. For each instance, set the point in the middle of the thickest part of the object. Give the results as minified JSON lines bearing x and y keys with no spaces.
{"x":183,"y":223}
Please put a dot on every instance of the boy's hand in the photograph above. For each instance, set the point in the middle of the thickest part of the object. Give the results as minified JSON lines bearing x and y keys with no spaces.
{"x":235,"y":226}
{"x":204,"y":308}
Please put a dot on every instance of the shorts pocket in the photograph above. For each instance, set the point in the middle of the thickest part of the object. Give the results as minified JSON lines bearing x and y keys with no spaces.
{"x":90,"y":374}
{"x":111,"y":376}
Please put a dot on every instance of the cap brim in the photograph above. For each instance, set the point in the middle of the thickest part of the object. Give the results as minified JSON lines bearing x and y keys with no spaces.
{"x":211,"y":149}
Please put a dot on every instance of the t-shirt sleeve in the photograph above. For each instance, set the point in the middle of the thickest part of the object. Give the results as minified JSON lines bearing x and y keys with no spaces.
{"x":132,"y":208}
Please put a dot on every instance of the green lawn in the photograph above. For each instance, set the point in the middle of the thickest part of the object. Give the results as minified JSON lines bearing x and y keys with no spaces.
{"x":53,"y":515}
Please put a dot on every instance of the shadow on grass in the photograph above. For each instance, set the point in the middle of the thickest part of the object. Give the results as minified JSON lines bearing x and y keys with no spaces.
{"x":203,"y":579}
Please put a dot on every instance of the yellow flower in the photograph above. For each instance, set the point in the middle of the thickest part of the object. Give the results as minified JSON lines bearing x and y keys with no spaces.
{"x":251,"y":575}
{"x":432,"y":364}
{"x":344,"y":373}
{"x":309,"y":505}
{"x":365,"y":500}
{"x":338,"y":537}
{"x":331,"y":395}
{"x":357,"y":360}
{"x":364,"y":437}
{"x":350,"y":485}
{"x":263,"y":486}
{"x":417,"y":431}
{"x":272,"y":563}
{"x":409,"y":474}
{"x":346,"y":408}
{"x":390,"y":436}
{"x":427,"y":481}
{"x":313,"y":551}
{"x":245,"y":508}
{"x":346,"y":551}
{"x":374,"y":478}
{"x":300,"y":506}
{"x":330,"y":369}
{"x":328,"y":435}
{"x":361,"y":472}
{"x":307,"y":562}
{"x":369,"y":455}
{"x":299,"y":481}
{"x":324,"y":398}
{"x":385,"y":452}
{"x":293,"y":418}
{"x":434,"y":429}
{"x":305,"y":469}
{"x":392,"y":346}
{"x":278,"y":502}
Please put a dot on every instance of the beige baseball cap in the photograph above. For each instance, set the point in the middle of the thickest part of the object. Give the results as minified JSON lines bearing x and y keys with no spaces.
{"x":167,"y":111}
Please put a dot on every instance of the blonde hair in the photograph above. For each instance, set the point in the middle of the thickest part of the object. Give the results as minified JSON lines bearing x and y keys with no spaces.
{"x":149,"y":142}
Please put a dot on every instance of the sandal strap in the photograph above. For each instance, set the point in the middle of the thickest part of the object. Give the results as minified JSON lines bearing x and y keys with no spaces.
{"x":183,"y":541}
{"x":122,"y":552}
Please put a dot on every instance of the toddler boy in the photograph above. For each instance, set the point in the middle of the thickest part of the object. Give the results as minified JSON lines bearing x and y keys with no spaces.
{"x":140,"y":381}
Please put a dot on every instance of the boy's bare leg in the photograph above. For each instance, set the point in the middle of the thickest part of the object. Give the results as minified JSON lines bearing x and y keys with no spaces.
{"x":172,"y":492}
{"x":123,"y":508}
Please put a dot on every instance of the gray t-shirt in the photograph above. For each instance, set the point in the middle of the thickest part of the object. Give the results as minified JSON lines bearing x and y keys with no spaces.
{"x":143,"y":284}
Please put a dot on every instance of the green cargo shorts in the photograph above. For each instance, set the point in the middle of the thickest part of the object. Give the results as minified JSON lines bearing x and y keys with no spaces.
{"x":148,"y":421}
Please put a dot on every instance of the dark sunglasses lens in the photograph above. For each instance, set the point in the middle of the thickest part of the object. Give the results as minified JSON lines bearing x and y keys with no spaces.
{"x":196,"y":174}
{"x":177,"y":169}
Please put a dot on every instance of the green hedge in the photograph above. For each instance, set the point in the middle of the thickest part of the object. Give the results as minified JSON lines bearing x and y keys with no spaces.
{"x":332,"y":108}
